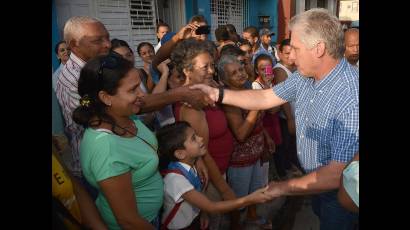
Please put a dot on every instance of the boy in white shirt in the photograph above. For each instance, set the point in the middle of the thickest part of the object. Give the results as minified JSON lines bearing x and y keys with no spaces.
{"x":183,"y":198}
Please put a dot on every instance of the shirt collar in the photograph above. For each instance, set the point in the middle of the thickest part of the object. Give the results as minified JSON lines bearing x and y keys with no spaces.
{"x":186,"y":166}
{"x":77,"y":60}
{"x":331,"y":75}
{"x":263,"y":48}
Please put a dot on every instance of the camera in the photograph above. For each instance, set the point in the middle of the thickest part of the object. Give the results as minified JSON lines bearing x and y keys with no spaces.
{"x":203,"y":30}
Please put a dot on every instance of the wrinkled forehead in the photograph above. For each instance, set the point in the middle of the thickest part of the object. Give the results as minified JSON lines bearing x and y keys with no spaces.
{"x":93,"y":29}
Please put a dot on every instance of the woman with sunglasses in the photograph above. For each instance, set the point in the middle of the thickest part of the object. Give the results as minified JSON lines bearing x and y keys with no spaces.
{"x":118,"y":152}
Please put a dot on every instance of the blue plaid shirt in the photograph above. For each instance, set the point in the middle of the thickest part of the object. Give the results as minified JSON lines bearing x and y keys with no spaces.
{"x":326,"y":115}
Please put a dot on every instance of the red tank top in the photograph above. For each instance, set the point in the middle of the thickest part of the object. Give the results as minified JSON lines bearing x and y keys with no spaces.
{"x":220,"y":144}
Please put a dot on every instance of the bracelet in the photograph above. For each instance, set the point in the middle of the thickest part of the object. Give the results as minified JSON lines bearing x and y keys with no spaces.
{"x":221,"y":95}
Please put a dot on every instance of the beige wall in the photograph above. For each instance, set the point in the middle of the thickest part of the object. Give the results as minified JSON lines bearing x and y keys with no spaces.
{"x":349,"y":10}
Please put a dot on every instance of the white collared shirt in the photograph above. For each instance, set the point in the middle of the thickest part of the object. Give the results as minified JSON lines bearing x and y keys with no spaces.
{"x":69,"y":99}
{"x":175,"y":186}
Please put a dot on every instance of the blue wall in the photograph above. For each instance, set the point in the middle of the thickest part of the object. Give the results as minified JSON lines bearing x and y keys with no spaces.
{"x":204,"y":8}
{"x":56,"y":116}
{"x":189,"y":9}
{"x":264,"y":7}
{"x":55,"y":36}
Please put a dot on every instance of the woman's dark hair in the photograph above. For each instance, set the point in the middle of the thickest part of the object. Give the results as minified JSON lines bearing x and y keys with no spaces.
{"x":143,"y":44}
{"x":222,"y":34}
{"x":252,"y":30}
{"x":259,"y":58}
{"x":184,"y":53}
{"x":243,"y":41}
{"x":232,"y":50}
{"x":285,"y":42}
{"x":57,"y":45}
{"x":171,"y":138}
{"x":198,"y":18}
{"x":99,"y":74}
{"x":115,"y":43}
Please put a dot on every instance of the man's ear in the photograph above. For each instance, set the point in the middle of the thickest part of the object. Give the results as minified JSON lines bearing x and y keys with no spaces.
{"x":72,"y":44}
{"x":320,"y":49}
{"x":180,"y":154}
{"x":105,"y":97}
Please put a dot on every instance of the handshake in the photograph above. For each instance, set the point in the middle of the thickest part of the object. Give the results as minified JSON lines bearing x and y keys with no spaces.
{"x":271,"y":191}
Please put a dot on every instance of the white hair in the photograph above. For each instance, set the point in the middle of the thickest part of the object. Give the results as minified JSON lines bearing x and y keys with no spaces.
{"x":224,"y":60}
{"x":319,"y":25}
{"x":73,"y":28}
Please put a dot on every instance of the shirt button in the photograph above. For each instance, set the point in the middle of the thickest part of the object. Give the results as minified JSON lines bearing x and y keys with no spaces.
{"x":311,"y":101}
{"x":301,"y":136}
{"x":307,"y":119}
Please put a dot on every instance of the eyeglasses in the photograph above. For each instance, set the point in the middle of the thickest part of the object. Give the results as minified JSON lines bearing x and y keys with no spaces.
{"x":206,"y":68}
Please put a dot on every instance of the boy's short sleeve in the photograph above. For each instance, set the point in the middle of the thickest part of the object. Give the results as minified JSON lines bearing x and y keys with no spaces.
{"x":176,"y":185}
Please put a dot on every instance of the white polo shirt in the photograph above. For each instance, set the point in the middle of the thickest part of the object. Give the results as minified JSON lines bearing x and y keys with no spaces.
{"x":175,"y":185}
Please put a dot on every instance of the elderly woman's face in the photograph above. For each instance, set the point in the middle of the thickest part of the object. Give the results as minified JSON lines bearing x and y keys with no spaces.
{"x":235,"y":75}
{"x":202,"y":71}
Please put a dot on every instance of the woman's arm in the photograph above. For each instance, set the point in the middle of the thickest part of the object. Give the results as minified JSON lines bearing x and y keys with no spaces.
{"x":163,"y":81}
{"x":240,"y":127}
{"x":120,"y":195}
{"x":204,"y":204}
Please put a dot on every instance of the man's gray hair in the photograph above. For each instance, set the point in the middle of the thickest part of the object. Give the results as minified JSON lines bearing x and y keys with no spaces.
{"x":225,"y":59}
{"x":73,"y":27}
{"x":319,"y":25}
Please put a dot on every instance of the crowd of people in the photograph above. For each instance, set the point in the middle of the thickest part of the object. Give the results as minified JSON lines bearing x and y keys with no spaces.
{"x":186,"y":140}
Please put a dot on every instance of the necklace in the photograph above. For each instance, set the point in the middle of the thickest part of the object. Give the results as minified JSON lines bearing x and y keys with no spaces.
{"x":136,"y":135}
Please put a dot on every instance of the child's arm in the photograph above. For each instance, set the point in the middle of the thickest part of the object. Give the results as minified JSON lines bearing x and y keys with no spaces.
{"x":202,"y":202}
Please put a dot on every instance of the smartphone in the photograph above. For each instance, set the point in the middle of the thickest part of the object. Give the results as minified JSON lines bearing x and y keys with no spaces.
{"x":268,"y":70}
{"x":203,"y":30}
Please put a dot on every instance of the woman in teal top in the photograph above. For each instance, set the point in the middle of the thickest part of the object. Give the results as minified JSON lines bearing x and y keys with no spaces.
{"x":118,"y":153}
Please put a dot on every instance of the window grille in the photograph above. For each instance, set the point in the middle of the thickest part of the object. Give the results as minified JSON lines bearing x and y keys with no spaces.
{"x":233,"y":12}
{"x":143,"y":24}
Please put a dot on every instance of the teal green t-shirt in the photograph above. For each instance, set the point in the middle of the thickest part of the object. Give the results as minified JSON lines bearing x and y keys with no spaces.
{"x":104,"y":155}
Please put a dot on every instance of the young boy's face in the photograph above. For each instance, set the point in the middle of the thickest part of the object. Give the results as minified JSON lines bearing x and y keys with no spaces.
{"x":194,"y":146}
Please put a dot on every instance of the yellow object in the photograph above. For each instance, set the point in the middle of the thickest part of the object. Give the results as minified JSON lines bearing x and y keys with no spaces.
{"x":63,"y":190}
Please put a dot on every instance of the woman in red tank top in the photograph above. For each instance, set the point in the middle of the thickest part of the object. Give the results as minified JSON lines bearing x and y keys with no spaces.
{"x":195,"y":60}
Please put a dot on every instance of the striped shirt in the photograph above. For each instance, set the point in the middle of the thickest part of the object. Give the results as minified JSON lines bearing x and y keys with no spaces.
{"x":326,"y":115}
{"x":67,"y":95}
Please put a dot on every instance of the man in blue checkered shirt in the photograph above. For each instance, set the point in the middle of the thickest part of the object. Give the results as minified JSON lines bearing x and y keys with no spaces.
{"x":325,"y":90}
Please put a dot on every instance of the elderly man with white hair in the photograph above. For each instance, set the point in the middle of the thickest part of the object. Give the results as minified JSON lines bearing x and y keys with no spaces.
{"x":325,"y":90}
{"x":87,"y":38}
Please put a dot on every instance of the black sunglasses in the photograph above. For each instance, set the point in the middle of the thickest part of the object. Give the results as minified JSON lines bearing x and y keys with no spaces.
{"x":110,"y":62}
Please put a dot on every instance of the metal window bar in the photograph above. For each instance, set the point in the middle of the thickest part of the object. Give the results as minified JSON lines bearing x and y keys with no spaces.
{"x":233,"y":12}
{"x":143,"y":24}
